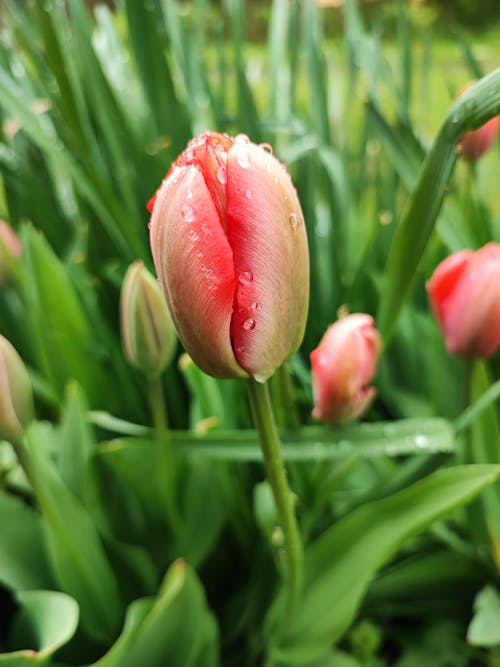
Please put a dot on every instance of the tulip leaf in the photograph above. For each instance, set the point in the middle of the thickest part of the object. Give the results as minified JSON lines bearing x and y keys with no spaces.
{"x":341,"y":563}
{"x":175,"y":628}
{"x":45,"y":621}
{"x":23,"y":560}
{"x":484,"y":629}
{"x":313,"y":443}
{"x":74,"y":545}
{"x":471,"y":110}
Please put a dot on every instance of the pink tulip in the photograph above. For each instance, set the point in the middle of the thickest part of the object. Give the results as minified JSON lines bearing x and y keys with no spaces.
{"x":230,"y":249}
{"x":343,"y":365}
{"x":10,"y":251}
{"x":464,"y":292}
{"x":475,"y":143}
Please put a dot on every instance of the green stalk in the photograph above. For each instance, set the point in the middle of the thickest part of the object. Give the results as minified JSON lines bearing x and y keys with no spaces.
{"x":276,"y":475}
{"x":166,"y":476}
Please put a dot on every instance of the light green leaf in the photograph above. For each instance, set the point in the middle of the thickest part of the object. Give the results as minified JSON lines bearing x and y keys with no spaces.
{"x":484,"y":629}
{"x":176,"y":628}
{"x":342,"y":562}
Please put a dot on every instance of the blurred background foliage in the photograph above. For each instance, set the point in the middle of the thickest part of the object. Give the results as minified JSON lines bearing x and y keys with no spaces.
{"x":94,"y":106}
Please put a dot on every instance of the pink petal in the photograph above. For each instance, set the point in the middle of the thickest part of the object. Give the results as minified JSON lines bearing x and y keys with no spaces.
{"x":266,"y":231}
{"x":194,"y":262}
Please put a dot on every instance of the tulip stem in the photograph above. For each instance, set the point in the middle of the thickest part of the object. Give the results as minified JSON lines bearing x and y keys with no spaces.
{"x":276,"y":475}
{"x":163,"y":450}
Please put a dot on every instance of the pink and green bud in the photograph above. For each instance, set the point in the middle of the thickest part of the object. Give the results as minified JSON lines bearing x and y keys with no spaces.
{"x":10,"y":252}
{"x":147,"y":330}
{"x":464,"y":292}
{"x":230,"y":249}
{"x":474,"y":143}
{"x":16,"y":399}
{"x":343,"y":365}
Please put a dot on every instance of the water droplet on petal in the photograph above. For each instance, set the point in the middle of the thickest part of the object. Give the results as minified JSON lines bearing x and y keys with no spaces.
{"x":245,"y":277}
{"x":267,"y":147}
{"x":193,"y":235}
{"x":241,"y":139}
{"x":242,"y":158}
{"x":240,"y":349}
{"x":190,"y":194}
{"x":249,"y":324}
{"x":248,"y":194}
{"x":187,"y":213}
{"x":221,"y":175}
{"x":294,"y":220}
{"x":254,"y":305}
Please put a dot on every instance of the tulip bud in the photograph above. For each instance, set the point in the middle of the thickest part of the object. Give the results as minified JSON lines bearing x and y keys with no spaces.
{"x":10,"y":250}
{"x":464,"y":293}
{"x":342,"y":366}
{"x":16,"y":401}
{"x":147,"y":331}
{"x":474,"y":143}
{"x":230,"y":249}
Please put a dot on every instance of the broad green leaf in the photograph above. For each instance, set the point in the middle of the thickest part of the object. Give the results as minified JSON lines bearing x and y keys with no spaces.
{"x":23,"y":560}
{"x":175,"y":628}
{"x":76,"y":552}
{"x":484,"y":628}
{"x":341,"y":563}
{"x":45,"y":621}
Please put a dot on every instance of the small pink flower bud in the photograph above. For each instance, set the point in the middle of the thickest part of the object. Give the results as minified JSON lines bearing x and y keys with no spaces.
{"x":10,"y":251}
{"x":343,"y":365}
{"x":147,"y":331}
{"x":16,"y":401}
{"x":464,"y":293}
{"x":230,"y":248}
{"x":475,"y":143}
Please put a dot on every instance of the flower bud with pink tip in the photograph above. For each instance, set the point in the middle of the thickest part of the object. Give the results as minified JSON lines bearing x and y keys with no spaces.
{"x":343,"y":366}
{"x":464,"y":293}
{"x":474,"y":143}
{"x":230,"y":249}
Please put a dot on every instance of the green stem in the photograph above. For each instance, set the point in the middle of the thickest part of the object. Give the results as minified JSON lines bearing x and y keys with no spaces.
{"x":166,"y":477}
{"x":276,"y":476}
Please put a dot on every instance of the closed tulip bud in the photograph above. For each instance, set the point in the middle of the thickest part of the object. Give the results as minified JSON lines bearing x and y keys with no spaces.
{"x":147,"y":331}
{"x":464,"y":293}
{"x":474,"y":143}
{"x":343,"y":365}
{"x":10,"y":251}
{"x":230,"y":249}
{"x":16,"y":400}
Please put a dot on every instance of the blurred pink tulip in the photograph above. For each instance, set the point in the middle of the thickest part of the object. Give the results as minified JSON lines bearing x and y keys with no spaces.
{"x":475,"y":143}
{"x":10,"y":251}
{"x":343,"y":365}
{"x":230,"y":249}
{"x":464,"y":292}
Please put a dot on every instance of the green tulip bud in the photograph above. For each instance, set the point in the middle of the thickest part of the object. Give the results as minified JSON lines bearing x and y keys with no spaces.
{"x":16,"y":400}
{"x":148,"y":334}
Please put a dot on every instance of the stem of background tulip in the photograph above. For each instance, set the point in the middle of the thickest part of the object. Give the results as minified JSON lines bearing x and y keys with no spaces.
{"x":164,"y":451}
{"x":276,"y":475}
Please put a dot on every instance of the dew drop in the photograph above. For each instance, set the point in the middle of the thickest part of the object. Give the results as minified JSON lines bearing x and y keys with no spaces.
{"x":242,"y":158}
{"x":190,"y":194}
{"x":187,"y":213}
{"x":240,"y":349}
{"x":245,"y":277}
{"x":193,"y":235}
{"x":199,"y":254}
{"x":294,"y":220}
{"x":267,"y":147}
{"x":241,"y":139}
{"x":221,"y":175}
{"x":249,"y":324}
{"x":248,"y":194}
{"x":254,"y":305}
{"x":205,"y":228}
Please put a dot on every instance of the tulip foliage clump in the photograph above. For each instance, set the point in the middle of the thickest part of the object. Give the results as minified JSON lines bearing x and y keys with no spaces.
{"x":249,"y":338}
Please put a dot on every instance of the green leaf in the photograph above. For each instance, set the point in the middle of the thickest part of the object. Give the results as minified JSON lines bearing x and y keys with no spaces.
{"x":342,"y":562}
{"x":23,"y":560}
{"x":176,"y":628}
{"x":470,"y":111}
{"x":76,"y":552}
{"x":46,"y":621}
{"x":484,"y":628}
